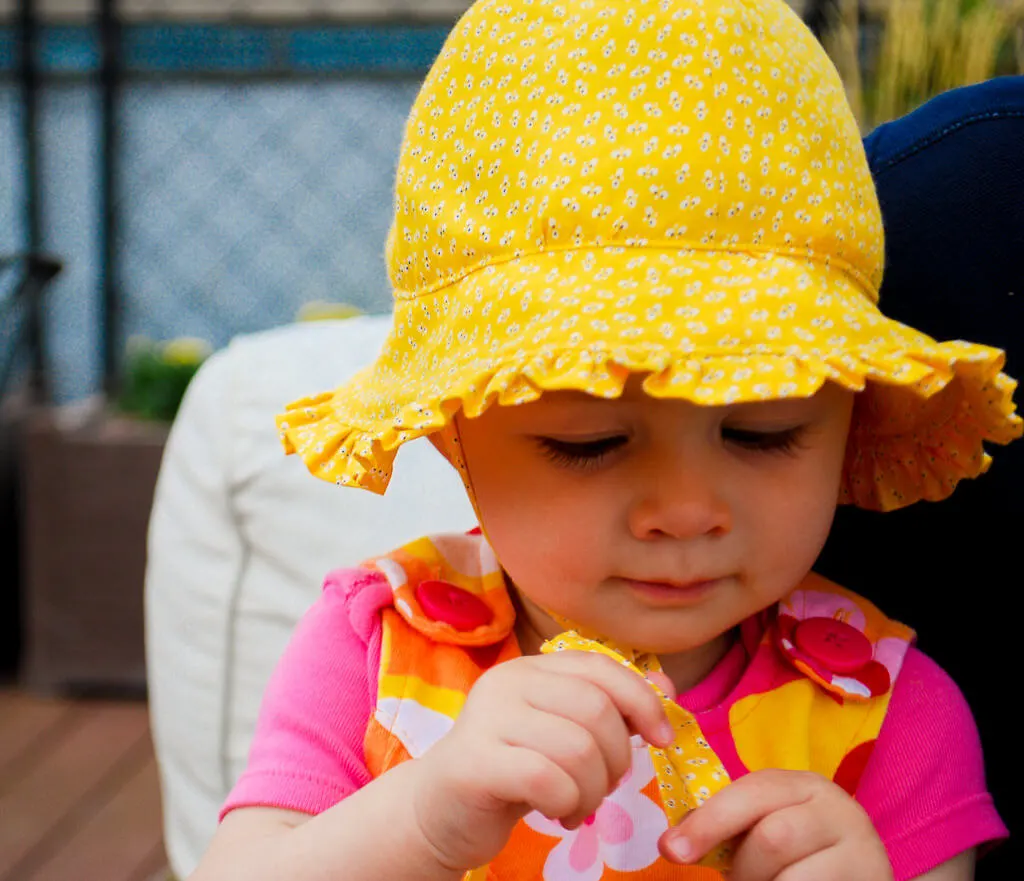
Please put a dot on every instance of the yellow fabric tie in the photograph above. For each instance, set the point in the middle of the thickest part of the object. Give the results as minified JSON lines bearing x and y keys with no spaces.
{"x":688,"y":772}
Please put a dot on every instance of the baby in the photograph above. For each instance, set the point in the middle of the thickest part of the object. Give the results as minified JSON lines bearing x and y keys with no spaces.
{"x":636,"y":256}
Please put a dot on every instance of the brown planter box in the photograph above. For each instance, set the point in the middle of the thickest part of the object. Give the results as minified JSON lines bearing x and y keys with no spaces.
{"x":88,"y":485}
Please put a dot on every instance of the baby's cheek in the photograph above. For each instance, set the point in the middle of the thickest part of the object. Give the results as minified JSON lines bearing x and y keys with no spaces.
{"x":565,"y":553}
{"x":788,"y":543}
{"x":556,"y":564}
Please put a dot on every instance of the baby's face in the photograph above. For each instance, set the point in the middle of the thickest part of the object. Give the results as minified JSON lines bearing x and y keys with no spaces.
{"x":658,"y":523}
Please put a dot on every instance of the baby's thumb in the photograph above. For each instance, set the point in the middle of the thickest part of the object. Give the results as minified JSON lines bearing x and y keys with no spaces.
{"x":664,"y":683}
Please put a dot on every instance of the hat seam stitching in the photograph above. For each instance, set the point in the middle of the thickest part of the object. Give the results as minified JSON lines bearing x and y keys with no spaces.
{"x":753,"y":250}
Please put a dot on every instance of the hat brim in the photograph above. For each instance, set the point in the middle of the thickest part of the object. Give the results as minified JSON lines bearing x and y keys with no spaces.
{"x":710,"y":327}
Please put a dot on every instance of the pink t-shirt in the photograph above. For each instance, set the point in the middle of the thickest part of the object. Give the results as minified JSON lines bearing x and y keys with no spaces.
{"x":924,"y":786}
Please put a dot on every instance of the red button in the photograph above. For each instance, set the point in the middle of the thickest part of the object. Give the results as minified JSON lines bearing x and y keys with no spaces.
{"x":452,"y":605}
{"x":841,"y":647}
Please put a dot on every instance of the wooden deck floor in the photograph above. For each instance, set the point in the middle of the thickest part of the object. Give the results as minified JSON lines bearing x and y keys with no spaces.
{"x":79,"y":797}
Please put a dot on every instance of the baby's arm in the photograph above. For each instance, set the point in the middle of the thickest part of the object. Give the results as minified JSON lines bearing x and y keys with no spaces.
{"x":960,"y":868}
{"x":372,"y":834}
{"x":548,"y":733}
{"x":795,"y":824}
{"x":924,"y":791}
{"x":307,"y":806}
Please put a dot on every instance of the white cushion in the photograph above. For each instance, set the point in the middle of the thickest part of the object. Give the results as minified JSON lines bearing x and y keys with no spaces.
{"x":240,"y":539}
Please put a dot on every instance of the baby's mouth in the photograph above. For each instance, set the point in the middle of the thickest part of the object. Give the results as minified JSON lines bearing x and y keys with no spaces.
{"x":666,"y":592}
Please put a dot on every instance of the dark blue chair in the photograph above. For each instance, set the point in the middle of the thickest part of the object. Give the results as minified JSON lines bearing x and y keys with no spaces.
{"x":950,"y":178}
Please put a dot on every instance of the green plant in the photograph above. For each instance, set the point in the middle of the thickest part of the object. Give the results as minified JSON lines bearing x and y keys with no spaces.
{"x":156,"y":375}
{"x":324,"y":310}
{"x":924,"y":47}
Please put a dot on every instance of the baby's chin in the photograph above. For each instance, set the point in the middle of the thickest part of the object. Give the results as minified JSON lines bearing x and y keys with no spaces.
{"x":634,"y":625}
{"x":670,"y":646}
{"x":667,"y":637}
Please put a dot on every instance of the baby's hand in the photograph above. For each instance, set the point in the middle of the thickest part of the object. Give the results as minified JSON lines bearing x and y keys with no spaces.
{"x":548,"y":733}
{"x":793,"y":825}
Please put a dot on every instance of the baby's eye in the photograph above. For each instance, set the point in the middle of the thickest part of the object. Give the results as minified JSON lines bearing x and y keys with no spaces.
{"x":580,"y":454}
{"x":782,"y":441}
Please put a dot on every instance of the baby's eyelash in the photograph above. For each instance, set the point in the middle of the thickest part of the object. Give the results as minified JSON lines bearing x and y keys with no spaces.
{"x":589,"y":454}
{"x":579,"y":454}
{"x":784,"y":441}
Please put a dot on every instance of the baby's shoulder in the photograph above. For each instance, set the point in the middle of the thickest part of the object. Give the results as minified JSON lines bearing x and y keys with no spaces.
{"x":925,"y":692}
{"x":427,"y":581}
{"x":353,"y":598}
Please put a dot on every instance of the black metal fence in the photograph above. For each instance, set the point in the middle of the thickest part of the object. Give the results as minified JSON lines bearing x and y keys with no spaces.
{"x":24,"y":272}
{"x":203,"y":177}
{"x":194,"y":177}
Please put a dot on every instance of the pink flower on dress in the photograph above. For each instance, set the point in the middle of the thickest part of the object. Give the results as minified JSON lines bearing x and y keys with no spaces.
{"x":622,"y":834}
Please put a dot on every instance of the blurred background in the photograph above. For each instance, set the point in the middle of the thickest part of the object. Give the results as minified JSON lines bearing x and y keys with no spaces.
{"x":174,"y":170}
{"x":174,"y":173}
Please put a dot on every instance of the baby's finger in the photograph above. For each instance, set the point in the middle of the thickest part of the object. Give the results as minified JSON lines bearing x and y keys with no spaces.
{"x":736,"y":809}
{"x":827,"y":863}
{"x":573,"y":749}
{"x":526,"y":777}
{"x":667,"y":686}
{"x":783,"y":838}
{"x":635,"y":699}
{"x":592,"y":708}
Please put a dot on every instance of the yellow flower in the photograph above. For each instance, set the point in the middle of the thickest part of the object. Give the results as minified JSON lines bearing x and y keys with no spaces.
{"x":322,"y":310}
{"x":184,"y":351}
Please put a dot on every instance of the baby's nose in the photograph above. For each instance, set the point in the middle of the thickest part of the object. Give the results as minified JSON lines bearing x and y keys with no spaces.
{"x":683,"y":503}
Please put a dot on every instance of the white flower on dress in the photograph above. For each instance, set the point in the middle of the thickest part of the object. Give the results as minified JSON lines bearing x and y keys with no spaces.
{"x":622,"y":834}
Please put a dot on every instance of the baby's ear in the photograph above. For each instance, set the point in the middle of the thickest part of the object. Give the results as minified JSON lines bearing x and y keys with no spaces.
{"x":664,"y":683}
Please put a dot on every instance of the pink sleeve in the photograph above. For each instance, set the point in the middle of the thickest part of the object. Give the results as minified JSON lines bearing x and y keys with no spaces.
{"x":924,"y":786}
{"x":307,"y":751}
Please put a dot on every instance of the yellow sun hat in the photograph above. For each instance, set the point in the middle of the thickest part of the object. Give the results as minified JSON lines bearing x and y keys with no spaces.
{"x":678,"y":188}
